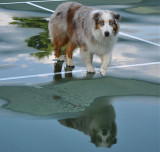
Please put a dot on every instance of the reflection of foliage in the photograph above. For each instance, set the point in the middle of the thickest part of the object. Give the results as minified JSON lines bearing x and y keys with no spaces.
{"x":41,"y":41}
{"x":38,"y":22}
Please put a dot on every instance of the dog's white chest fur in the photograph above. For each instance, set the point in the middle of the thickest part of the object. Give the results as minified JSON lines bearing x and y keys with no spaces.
{"x":101,"y":47}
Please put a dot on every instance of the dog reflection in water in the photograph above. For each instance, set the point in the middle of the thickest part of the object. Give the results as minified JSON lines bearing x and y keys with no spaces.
{"x":97,"y":121}
{"x":58,"y":69}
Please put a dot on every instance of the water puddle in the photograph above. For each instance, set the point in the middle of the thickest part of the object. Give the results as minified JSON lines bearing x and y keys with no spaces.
{"x":76,"y":111}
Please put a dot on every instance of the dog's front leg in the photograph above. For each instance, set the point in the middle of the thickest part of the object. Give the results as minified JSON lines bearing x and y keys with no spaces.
{"x":87,"y":58}
{"x":105,"y":59}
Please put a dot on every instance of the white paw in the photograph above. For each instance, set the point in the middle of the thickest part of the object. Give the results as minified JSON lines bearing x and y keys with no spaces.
{"x":90,"y":69}
{"x":69,"y":62}
{"x":102,"y":72}
{"x":59,"y":59}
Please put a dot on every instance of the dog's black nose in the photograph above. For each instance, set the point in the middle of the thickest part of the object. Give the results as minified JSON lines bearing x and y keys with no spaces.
{"x":106,"y":34}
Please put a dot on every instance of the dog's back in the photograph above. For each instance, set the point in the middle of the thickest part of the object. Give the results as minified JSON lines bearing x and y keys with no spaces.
{"x":58,"y":20}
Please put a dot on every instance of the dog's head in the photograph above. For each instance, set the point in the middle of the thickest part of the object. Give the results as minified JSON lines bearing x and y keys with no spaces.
{"x":106,"y":23}
{"x":105,"y":137}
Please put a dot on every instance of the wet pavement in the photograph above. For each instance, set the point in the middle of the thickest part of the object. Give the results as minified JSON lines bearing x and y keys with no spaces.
{"x":46,"y":106}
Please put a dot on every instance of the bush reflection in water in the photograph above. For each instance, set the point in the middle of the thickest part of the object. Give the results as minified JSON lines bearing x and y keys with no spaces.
{"x":41,"y":42}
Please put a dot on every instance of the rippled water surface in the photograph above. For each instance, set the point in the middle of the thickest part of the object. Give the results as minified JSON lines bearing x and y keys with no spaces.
{"x":66,"y":109}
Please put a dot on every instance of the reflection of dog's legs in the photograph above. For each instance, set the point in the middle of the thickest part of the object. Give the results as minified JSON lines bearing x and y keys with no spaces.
{"x":68,"y":71}
{"x":105,"y":59}
{"x":87,"y":58}
{"x":114,"y":133}
{"x":69,"y":51}
{"x":58,"y":68}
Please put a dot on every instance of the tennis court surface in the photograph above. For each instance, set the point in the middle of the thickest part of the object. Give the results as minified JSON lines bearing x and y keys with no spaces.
{"x":46,"y":106}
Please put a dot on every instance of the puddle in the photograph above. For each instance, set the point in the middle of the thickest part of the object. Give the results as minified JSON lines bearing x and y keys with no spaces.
{"x":75,"y":111}
{"x":108,"y":123}
{"x":3,"y":102}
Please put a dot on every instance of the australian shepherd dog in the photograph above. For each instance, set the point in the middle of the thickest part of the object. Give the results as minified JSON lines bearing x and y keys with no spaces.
{"x":93,"y":30}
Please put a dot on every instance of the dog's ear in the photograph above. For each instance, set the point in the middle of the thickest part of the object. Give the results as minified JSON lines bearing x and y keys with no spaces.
{"x":117,"y":16}
{"x":96,"y":17}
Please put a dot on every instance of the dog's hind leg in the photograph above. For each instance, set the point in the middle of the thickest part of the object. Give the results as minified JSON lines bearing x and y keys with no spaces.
{"x":58,"y":43}
{"x":69,"y":52}
{"x":87,"y":58}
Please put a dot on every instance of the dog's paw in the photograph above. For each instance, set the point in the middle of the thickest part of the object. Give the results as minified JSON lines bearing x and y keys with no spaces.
{"x":59,"y":59}
{"x":69,"y":62}
{"x":102,"y":72}
{"x":90,"y":70}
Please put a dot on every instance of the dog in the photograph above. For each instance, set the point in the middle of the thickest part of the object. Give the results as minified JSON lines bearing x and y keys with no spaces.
{"x":93,"y":30}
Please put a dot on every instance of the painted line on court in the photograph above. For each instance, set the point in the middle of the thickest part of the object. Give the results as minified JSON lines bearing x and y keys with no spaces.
{"x":134,"y":65}
{"x":31,"y":2}
{"x":38,"y":6}
{"x":140,"y":39}
{"x":39,"y":75}
{"x":51,"y":74}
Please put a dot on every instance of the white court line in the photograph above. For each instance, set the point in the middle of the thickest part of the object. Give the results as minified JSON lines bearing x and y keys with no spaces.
{"x":134,"y":65}
{"x":51,"y":74}
{"x":31,"y":2}
{"x":137,"y":38}
{"x":46,"y":9}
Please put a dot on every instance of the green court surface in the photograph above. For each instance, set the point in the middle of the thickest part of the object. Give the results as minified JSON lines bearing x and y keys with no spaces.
{"x":46,"y":106}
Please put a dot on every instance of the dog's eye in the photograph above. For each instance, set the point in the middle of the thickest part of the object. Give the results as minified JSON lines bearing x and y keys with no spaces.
{"x":101,"y":22}
{"x":111,"y":22}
